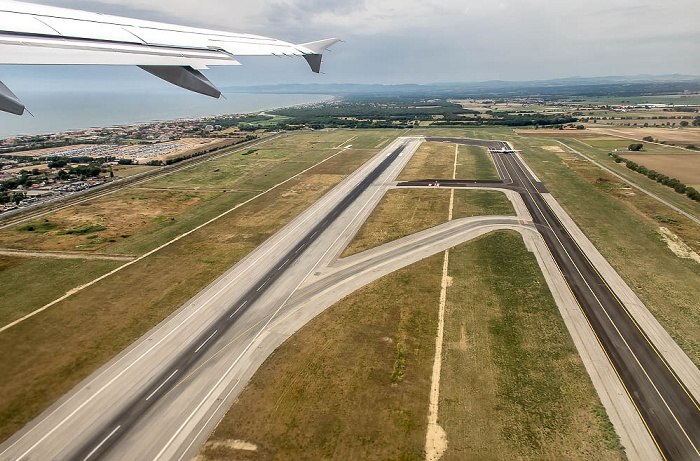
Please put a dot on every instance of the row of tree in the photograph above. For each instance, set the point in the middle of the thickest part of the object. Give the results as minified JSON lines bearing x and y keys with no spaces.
{"x":673,"y":183}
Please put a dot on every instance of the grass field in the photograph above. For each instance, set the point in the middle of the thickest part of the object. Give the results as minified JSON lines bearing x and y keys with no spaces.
{"x":513,"y":385}
{"x":678,"y":136}
{"x":354,"y":382}
{"x":471,"y":202}
{"x":474,"y":162}
{"x":332,"y":391}
{"x":610,"y":144}
{"x":113,"y":219}
{"x":28,"y":283}
{"x":401,"y":212}
{"x":124,"y":171}
{"x":432,"y":160}
{"x":602,"y":157}
{"x":45,"y":356}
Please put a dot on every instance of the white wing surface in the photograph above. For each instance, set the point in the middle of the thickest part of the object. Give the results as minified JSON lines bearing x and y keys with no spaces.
{"x":38,"y":34}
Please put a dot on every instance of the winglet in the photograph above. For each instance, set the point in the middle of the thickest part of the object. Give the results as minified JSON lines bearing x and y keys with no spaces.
{"x":9,"y":102}
{"x":313,"y":52}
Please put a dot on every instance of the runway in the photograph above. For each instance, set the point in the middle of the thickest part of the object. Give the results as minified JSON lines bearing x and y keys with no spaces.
{"x":160,"y":398}
{"x":667,"y":406}
{"x":164,"y":393}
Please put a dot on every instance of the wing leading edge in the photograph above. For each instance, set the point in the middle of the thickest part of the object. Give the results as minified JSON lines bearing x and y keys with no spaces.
{"x":38,"y":34}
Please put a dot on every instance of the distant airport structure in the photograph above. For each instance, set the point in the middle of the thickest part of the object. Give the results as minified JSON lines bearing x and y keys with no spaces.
{"x":38,"y":34}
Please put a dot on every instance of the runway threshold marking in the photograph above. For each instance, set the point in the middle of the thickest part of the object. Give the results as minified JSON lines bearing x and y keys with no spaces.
{"x":161,"y":385}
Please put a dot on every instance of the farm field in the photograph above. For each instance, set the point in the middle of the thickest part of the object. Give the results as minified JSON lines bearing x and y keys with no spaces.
{"x":686,"y":168}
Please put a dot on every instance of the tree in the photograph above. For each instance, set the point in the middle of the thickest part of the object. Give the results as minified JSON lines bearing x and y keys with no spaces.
{"x":684,"y":123}
{"x":636,"y":147}
{"x":648,"y":139}
{"x":693,"y":194}
{"x":17,"y":197}
{"x":696,"y":122}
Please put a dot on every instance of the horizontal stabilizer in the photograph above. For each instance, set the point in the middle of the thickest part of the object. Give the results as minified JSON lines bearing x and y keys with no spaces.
{"x":9,"y":102}
{"x":185,"y":77}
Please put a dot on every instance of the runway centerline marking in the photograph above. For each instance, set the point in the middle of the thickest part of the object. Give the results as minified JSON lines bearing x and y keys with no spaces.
{"x":94,"y":450}
{"x":206,"y":341}
{"x":161,"y":385}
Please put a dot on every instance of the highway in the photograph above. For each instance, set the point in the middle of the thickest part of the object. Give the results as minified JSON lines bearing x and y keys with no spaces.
{"x":669,"y":410}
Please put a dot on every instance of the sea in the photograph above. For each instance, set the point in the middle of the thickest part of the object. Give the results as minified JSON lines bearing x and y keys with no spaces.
{"x":60,"y":111}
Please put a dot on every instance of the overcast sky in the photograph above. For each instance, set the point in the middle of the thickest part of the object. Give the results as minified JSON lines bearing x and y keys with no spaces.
{"x":423,"y":41}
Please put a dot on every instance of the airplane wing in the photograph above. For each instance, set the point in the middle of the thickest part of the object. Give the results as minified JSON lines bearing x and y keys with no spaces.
{"x":38,"y":34}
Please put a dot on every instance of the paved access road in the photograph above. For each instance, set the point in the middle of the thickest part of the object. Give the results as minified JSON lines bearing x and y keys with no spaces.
{"x":668,"y":409}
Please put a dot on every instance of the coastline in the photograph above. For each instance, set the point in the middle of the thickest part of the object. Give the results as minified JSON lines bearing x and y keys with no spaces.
{"x":60,"y":113}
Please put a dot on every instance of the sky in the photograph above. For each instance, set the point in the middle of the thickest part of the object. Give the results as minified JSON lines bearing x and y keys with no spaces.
{"x":414,"y":41}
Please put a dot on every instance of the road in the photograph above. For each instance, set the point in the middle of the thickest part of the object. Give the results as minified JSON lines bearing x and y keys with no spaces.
{"x":667,"y":407}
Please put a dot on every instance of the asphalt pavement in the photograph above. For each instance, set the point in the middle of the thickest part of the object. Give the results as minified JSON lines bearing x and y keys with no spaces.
{"x":668,"y":408}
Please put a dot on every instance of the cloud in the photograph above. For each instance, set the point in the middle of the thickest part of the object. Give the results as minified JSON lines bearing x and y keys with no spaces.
{"x":448,"y":40}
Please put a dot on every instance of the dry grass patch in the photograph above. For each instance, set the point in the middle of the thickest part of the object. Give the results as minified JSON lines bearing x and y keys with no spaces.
{"x":432,"y":160}
{"x":331,"y":390}
{"x":97,"y":224}
{"x":679,"y":136}
{"x":401,"y":212}
{"x":124,"y":171}
{"x":513,"y":385}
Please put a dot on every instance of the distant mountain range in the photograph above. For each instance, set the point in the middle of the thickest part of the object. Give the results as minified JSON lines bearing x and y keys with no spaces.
{"x":572,"y":86}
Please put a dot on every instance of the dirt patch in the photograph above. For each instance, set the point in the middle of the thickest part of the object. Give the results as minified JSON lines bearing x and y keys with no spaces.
{"x":222,"y":448}
{"x":677,"y":245}
{"x":683,"y":167}
{"x":553,"y":148}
